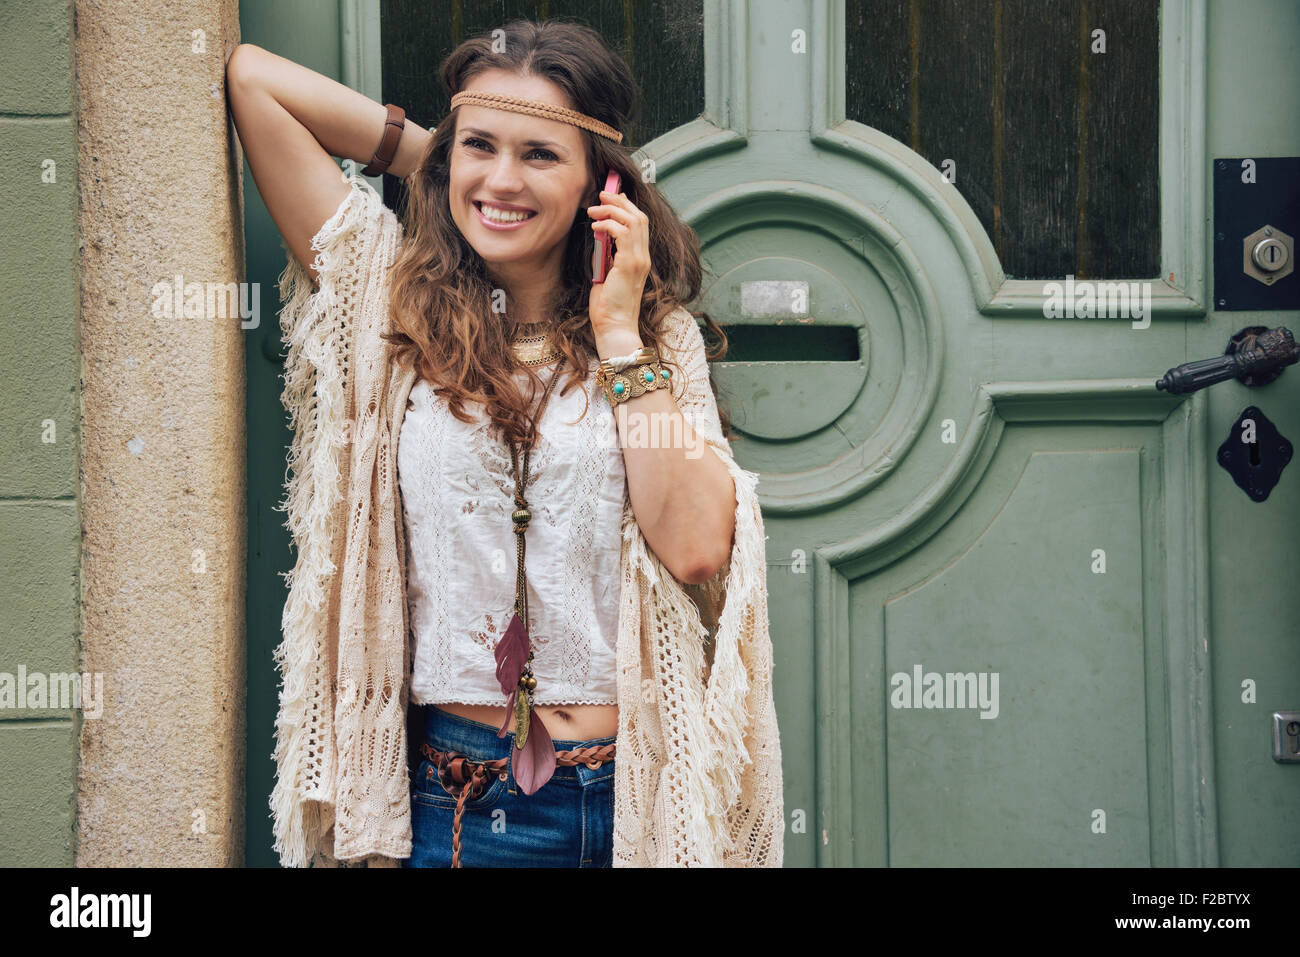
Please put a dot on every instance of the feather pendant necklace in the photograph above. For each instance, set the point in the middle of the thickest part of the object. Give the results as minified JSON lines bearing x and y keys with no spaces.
{"x":534,"y":754}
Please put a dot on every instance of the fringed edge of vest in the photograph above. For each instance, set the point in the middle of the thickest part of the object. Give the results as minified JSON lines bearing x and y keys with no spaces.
{"x":315,"y":396}
{"x":713,"y":753}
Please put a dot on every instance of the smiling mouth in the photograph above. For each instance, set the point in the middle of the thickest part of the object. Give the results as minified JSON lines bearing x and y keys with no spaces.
{"x":504,"y":217}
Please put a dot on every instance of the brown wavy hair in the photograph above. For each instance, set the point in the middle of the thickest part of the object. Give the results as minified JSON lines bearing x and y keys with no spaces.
{"x":440,"y":293}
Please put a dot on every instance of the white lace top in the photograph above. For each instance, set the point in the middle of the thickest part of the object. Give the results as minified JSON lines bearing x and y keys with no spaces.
{"x":457,"y":492}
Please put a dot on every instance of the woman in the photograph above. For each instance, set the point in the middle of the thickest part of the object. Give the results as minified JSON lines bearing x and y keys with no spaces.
{"x":422,"y":348}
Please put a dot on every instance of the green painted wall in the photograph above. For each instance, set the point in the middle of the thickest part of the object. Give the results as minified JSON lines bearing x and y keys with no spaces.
{"x":39,"y":371}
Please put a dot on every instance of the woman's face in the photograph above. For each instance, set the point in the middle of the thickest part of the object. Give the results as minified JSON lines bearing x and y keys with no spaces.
{"x":517,"y":161}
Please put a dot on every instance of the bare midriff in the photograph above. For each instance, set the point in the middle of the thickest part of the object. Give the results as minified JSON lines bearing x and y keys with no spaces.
{"x":564,"y":722}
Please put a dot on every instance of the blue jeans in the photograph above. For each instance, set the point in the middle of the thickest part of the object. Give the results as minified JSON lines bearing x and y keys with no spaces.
{"x":568,"y":822}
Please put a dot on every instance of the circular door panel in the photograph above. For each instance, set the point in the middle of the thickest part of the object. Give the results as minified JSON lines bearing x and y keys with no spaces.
{"x":835,"y":350}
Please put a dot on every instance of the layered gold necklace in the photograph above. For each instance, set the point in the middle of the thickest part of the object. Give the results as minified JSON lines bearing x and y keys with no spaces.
{"x":534,"y":350}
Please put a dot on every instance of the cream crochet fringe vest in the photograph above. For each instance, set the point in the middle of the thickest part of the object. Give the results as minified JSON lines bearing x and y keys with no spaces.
{"x":697,"y":779}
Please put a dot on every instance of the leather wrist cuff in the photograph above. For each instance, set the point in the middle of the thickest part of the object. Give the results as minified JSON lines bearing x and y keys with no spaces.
{"x":393,"y":127}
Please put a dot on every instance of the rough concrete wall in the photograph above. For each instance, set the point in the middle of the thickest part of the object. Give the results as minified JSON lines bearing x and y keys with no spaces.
{"x":163,"y":451}
{"x":38,"y":434}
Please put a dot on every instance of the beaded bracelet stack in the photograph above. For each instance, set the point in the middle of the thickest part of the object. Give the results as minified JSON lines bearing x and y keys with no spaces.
{"x":626,"y":377}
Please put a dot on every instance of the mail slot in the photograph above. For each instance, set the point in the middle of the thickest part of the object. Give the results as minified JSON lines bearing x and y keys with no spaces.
{"x":801,"y":342}
{"x":797,"y":347}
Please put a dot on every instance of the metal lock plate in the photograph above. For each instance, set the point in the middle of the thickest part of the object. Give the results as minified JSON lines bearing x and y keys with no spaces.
{"x":1256,"y":200}
{"x":1286,"y":737}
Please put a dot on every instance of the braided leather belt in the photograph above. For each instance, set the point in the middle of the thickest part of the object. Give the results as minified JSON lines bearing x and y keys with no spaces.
{"x":465,"y":780}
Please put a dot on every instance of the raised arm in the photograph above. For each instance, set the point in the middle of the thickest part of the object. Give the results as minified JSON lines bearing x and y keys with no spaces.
{"x":291,"y":121}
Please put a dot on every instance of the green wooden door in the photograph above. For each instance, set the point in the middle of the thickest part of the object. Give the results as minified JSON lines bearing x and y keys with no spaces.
{"x":1002,"y":564}
{"x":1020,"y":615}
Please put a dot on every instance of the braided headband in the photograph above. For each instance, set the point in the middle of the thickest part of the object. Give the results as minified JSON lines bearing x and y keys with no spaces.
{"x":499,"y":101}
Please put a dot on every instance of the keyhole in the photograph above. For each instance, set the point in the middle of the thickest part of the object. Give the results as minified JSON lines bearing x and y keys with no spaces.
{"x":1293,"y":732}
{"x":1254,"y":453}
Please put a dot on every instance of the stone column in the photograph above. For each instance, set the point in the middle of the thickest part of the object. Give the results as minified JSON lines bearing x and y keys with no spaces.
{"x":162,"y":485}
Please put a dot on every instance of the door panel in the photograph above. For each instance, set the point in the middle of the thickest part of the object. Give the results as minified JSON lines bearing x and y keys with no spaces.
{"x":1046,"y":729}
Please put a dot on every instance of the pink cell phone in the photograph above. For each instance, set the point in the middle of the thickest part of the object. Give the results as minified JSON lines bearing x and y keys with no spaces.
{"x":603,"y":255}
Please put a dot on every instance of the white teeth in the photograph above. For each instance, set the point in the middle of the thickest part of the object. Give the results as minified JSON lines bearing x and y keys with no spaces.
{"x":500,"y":215}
